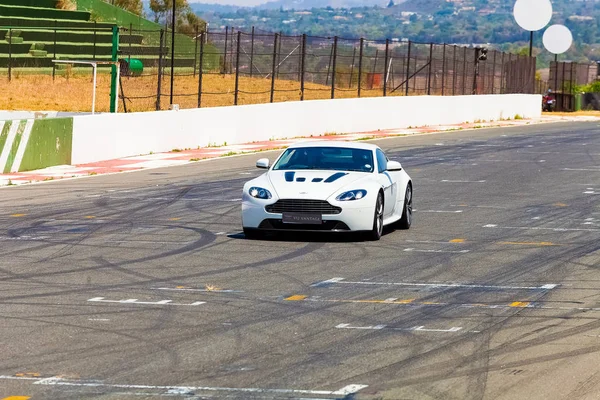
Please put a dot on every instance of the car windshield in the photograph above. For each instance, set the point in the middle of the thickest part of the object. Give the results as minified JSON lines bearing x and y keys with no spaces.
{"x":326,"y":158}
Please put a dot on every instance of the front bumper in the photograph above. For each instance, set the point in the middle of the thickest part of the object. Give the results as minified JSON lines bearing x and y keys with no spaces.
{"x":355,"y":216}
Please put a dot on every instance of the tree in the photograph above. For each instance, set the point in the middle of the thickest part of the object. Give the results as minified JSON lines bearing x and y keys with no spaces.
{"x":133,"y":6}
{"x":391,"y":4}
{"x":162,"y":9}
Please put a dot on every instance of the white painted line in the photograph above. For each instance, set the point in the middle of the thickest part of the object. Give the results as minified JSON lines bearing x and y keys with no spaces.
{"x":98,"y":319}
{"x":441,"y":211}
{"x":437,"y":251}
{"x":10,"y":138}
{"x":56,"y":381}
{"x":580,"y":169}
{"x":533,"y":228}
{"x":451,"y":181}
{"x":199,"y":290}
{"x":434,"y":241}
{"x":547,"y":286}
{"x":411,"y":329}
{"x":327,"y":282}
{"x":22,"y":146}
{"x":136,"y":301}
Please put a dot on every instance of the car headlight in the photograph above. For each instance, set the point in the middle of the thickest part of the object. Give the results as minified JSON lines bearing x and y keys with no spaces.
{"x":352,"y":195}
{"x":259,"y":193}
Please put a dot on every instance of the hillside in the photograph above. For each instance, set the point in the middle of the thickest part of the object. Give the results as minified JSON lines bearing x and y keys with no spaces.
{"x":455,"y":21}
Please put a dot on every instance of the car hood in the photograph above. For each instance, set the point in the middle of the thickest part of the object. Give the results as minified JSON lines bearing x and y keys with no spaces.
{"x":313,"y":184}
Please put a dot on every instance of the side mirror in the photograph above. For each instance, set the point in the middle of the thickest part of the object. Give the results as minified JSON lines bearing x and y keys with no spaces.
{"x":263,"y":163}
{"x":394,"y":166}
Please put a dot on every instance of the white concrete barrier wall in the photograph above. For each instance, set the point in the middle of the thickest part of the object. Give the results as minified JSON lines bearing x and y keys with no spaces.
{"x":109,"y":136}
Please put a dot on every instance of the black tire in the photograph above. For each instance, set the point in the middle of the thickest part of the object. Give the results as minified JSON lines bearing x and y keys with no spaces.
{"x":377,"y":231}
{"x":253,"y":234}
{"x":406,"y":220}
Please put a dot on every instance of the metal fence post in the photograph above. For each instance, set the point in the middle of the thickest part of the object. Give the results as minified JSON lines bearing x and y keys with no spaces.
{"x":335,"y":40}
{"x":429,"y":72}
{"x":407,"y":69}
{"x":454,"y":70}
{"x":274,"y":66}
{"x":443,"y":67}
{"x":160,"y":54}
{"x":224,"y":69}
{"x":360,"y":58}
{"x":385,"y":66}
{"x":237,"y":69}
{"x":195,"y":49}
{"x":252,"y":53}
{"x":200,"y":70}
{"x":9,"y":54}
{"x":302,"y":61}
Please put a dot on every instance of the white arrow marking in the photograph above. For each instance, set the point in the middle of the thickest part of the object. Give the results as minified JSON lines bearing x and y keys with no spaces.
{"x":136,"y":301}
{"x":56,"y":381}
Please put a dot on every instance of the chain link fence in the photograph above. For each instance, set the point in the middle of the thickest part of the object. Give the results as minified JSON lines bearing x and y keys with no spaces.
{"x":234,"y":67}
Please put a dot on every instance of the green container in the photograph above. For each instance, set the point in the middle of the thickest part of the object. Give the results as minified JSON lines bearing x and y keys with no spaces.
{"x":577,"y":103}
{"x":134,"y":66}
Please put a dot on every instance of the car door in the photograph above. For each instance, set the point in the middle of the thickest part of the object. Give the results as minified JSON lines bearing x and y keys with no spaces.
{"x":387,"y":183}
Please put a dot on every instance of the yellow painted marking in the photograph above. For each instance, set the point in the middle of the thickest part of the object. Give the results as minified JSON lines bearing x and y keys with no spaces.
{"x":18,"y":215}
{"x":519,"y":304}
{"x":559,"y":205}
{"x":180,"y":287}
{"x":457,"y":241}
{"x":405,"y":301}
{"x":212,"y":288}
{"x":296,"y":297}
{"x":33,"y":374}
{"x":16,"y":398}
{"x":531,"y":243}
{"x":174,"y":219}
{"x":89,"y":217}
{"x":430,"y":302}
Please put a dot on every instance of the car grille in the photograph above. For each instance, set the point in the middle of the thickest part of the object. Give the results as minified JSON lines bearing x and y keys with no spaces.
{"x":303,"y":206}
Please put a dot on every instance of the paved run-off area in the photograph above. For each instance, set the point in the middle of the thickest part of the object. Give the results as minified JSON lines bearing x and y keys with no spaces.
{"x":141,"y":285}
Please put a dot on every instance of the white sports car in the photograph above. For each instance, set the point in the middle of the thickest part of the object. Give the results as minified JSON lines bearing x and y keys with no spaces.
{"x":328,"y":186}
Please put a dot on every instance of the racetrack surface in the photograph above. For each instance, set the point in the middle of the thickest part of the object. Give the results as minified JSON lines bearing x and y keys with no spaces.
{"x":141,"y":285}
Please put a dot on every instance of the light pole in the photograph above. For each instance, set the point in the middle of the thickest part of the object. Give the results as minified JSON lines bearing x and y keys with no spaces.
{"x":532,"y":15}
{"x":173,"y":48}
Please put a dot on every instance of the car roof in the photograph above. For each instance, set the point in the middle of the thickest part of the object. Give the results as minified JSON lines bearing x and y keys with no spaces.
{"x":336,"y":143}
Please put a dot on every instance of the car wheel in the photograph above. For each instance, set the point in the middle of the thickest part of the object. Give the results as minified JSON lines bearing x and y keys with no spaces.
{"x":377,"y":230}
{"x":253,"y":233}
{"x":406,"y":220}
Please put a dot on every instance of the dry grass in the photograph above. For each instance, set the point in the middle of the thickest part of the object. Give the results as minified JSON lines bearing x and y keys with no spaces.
{"x":66,"y":5}
{"x":74,"y":93}
{"x":587,"y":113}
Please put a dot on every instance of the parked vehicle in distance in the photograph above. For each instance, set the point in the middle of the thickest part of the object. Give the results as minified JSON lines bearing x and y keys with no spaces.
{"x":324,"y":186}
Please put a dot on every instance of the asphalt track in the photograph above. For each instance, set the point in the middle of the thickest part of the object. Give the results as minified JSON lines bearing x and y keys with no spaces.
{"x":142,"y":286}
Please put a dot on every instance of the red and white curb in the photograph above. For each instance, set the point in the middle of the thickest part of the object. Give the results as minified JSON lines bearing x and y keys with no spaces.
{"x":186,"y":156}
